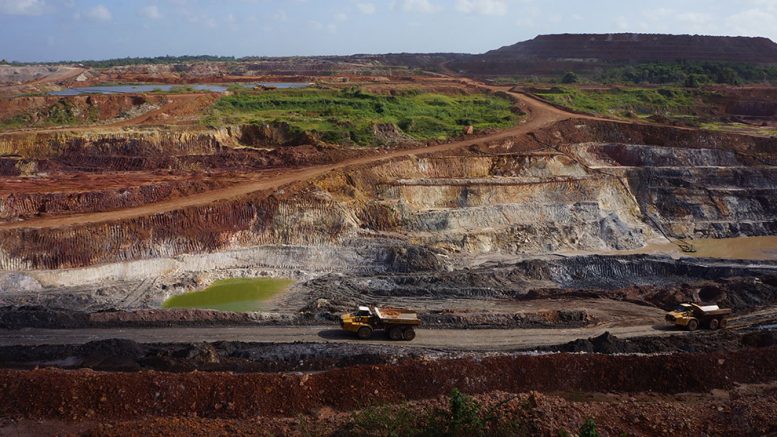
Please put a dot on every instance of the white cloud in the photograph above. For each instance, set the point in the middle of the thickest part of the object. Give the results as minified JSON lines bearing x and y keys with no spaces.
{"x":151,"y":12}
{"x":483,"y":7}
{"x":99,"y":13}
{"x":366,"y":8}
{"x":423,"y":6}
{"x":22,"y":7}
{"x":317,"y":25}
{"x":341,"y":17}
{"x":753,"y":22}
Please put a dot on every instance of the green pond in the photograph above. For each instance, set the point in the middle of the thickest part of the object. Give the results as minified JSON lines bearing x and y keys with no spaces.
{"x":237,"y":294}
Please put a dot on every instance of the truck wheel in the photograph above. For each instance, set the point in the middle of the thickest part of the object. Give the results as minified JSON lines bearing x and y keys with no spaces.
{"x":714,"y":323}
{"x":692,"y":325}
{"x":723,"y":323}
{"x":395,"y":333}
{"x":408,"y":334}
{"x":364,"y":332}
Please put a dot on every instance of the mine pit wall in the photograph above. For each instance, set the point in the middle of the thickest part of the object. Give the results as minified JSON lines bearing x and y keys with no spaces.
{"x":139,"y":149}
{"x":644,"y":279}
{"x":694,"y":193}
{"x":523,"y":195}
{"x":19,"y":206}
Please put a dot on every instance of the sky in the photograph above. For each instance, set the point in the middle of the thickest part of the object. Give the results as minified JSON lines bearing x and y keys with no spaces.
{"x":53,"y":30}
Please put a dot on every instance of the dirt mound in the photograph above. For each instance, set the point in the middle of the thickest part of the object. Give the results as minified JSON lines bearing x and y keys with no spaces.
{"x":708,"y":342}
{"x":223,"y":356}
{"x":760,"y":339}
{"x":113,"y":354}
{"x":40,"y":317}
{"x":642,"y":47}
{"x":276,"y":133}
{"x":745,"y":411}
{"x":85,"y":394}
{"x":548,"y":54}
{"x":603,"y":344}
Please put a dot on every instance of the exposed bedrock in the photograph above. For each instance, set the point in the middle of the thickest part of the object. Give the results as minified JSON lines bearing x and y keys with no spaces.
{"x":700,"y":192}
{"x":589,"y":186}
{"x":654,"y":280}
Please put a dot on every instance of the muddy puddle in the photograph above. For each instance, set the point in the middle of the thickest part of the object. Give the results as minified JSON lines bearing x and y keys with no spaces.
{"x":236,"y":294}
{"x":148,"y":88}
{"x":737,"y":248}
{"x":762,"y":248}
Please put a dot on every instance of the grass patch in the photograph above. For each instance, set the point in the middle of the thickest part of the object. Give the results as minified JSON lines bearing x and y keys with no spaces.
{"x":349,"y":116}
{"x":740,"y":128}
{"x":236,"y":294}
{"x":631,"y":102}
{"x":62,"y":113}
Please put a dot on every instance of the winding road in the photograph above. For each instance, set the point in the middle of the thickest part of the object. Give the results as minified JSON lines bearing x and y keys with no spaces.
{"x":539,"y":115}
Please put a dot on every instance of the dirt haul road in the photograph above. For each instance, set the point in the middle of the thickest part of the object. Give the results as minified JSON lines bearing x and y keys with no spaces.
{"x":539,"y":115}
{"x":449,"y":339}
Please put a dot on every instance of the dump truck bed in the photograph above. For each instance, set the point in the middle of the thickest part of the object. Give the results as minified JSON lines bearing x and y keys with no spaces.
{"x":712,"y":310}
{"x":397,"y":316}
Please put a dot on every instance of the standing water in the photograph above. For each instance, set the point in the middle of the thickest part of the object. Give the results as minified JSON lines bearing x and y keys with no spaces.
{"x":131,"y":89}
{"x":237,"y":294}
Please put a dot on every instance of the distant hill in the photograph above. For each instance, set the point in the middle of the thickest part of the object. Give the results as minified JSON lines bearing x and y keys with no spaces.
{"x":547,"y":53}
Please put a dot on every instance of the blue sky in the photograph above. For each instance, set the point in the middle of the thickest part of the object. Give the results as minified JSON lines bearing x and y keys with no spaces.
{"x":46,"y":30}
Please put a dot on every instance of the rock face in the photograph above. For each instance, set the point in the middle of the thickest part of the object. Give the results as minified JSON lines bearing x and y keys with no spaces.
{"x":573,"y":52}
{"x":694,"y":193}
{"x":592,"y":187}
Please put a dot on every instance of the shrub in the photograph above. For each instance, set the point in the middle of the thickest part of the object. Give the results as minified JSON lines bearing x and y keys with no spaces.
{"x":589,"y":429}
{"x":569,"y":77}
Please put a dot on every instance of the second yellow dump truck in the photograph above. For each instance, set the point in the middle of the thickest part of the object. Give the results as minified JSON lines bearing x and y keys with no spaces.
{"x":692,"y":316}
{"x":398,"y":323}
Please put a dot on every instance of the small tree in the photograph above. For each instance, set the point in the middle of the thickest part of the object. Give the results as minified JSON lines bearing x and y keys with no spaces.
{"x":692,"y":81}
{"x":465,"y":415}
{"x":589,"y":429}
{"x":569,"y":77}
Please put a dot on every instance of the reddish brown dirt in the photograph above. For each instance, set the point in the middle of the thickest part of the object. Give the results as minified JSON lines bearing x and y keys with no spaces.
{"x":749,"y":410}
{"x":541,"y":116}
{"x":79,"y":395}
{"x":180,"y":109}
{"x":174,"y":109}
{"x":65,"y":193}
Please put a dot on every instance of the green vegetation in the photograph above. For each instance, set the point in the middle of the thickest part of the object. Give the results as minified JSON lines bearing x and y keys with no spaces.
{"x":689,"y":73}
{"x":569,"y":77}
{"x":741,"y":128}
{"x":62,"y":113}
{"x":684,"y":74}
{"x":15,"y":122}
{"x":350,"y":115}
{"x":237,"y":294}
{"x":589,"y":429}
{"x":178,"y":89}
{"x":463,"y":416}
{"x":630,"y":101}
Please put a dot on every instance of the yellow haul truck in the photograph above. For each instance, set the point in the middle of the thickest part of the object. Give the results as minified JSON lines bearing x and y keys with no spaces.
{"x":691,"y":316}
{"x":398,"y":323}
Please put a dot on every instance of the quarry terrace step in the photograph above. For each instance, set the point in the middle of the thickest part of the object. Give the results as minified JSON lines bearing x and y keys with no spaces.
{"x":488,"y":181}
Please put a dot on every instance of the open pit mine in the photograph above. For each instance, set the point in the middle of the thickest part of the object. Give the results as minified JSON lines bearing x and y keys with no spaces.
{"x":172,"y":263}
